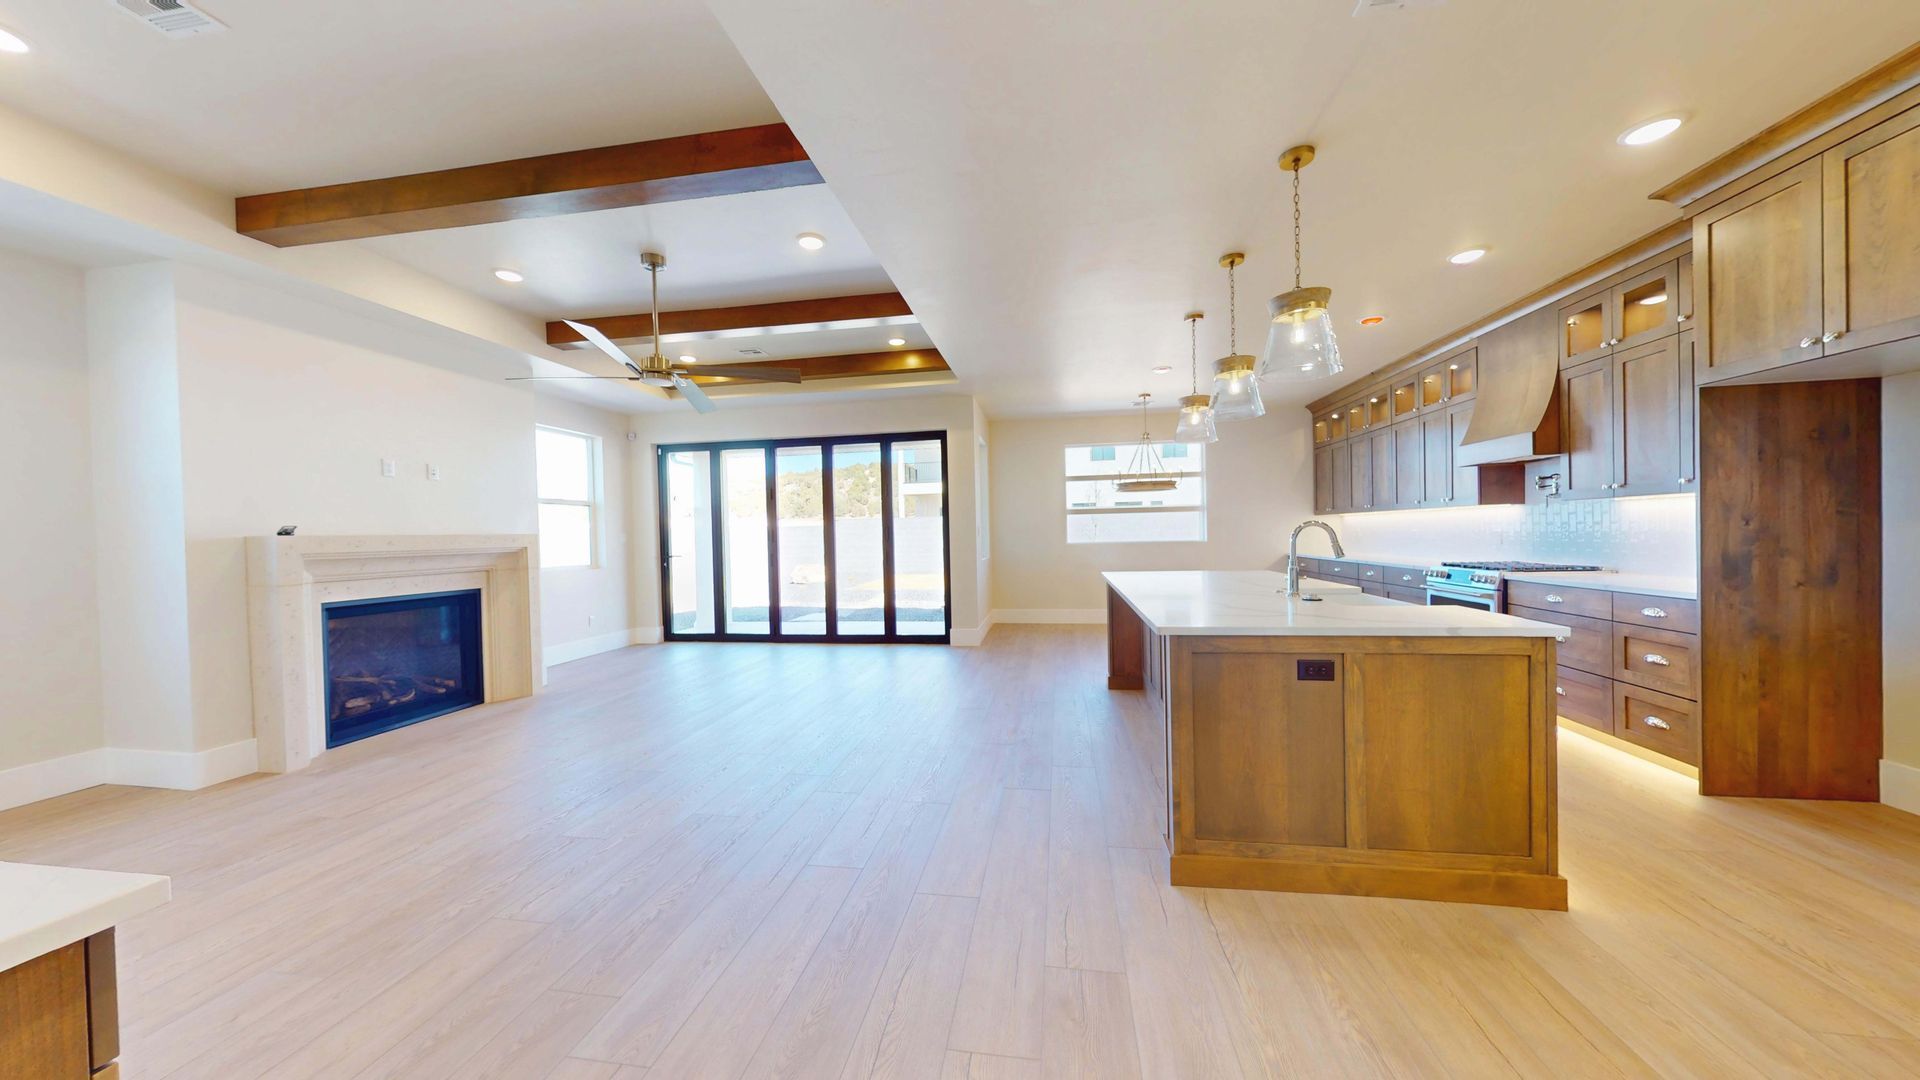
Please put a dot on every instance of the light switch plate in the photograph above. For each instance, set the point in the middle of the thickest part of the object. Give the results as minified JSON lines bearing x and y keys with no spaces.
{"x":433,"y":472}
{"x":389,"y":467}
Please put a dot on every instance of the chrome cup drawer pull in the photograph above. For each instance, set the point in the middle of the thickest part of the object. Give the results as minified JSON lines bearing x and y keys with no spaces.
{"x":1654,"y":612}
{"x":1656,"y":722}
{"x":1561,"y":690}
{"x":1555,"y":598}
{"x":1656,"y":658}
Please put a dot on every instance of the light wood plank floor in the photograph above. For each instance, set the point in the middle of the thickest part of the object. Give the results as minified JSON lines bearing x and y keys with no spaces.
{"x":808,"y":861}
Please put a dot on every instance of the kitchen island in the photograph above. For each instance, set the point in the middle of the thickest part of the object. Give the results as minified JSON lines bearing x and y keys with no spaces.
{"x":59,"y":1011}
{"x":1346,"y":744}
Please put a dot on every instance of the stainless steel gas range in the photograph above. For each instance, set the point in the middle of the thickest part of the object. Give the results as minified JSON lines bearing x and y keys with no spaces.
{"x":1483,"y":584}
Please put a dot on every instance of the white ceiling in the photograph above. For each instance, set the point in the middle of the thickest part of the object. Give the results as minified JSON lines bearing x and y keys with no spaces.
{"x":301,"y":94}
{"x":1050,"y":184}
{"x":735,"y":250}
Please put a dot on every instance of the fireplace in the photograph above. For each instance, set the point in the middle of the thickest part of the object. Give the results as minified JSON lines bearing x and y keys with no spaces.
{"x":397,"y":660}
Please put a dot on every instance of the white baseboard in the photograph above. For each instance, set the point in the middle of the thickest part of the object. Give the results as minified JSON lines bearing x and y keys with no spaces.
{"x":646,"y":635}
{"x":45,"y":779}
{"x":178,"y":769}
{"x":568,"y":651}
{"x":1054,"y":616}
{"x":1900,"y":786}
{"x":968,"y":637}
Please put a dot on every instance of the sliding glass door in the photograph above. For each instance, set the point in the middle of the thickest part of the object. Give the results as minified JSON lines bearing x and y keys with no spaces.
{"x":836,"y":539}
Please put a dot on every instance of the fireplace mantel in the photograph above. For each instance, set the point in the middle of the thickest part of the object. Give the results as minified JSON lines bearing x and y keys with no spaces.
{"x":289,"y":578}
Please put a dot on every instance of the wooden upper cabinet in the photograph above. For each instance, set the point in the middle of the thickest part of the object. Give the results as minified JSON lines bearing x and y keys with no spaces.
{"x":1323,"y":481}
{"x":1436,"y":457}
{"x":1356,"y":414}
{"x":1758,"y":269}
{"x":1340,"y":477}
{"x":1379,"y":409}
{"x":1689,"y":411}
{"x":1382,"y":487}
{"x":1683,"y":289}
{"x":1463,"y":486}
{"x":1871,"y":203}
{"x":1405,"y":398}
{"x":1409,"y":465}
{"x":1587,"y":421}
{"x":1645,"y":307}
{"x":1652,"y":391}
{"x":1586,"y":328}
{"x":1360,"y":474}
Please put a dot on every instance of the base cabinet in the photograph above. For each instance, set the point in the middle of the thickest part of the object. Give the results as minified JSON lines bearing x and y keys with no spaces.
{"x":59,"y":1014}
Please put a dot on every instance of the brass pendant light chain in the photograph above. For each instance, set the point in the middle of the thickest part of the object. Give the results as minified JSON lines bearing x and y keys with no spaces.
{"x":1233,"y":313}
{"x":1296,"y":228}
{"x":1193,"y":353}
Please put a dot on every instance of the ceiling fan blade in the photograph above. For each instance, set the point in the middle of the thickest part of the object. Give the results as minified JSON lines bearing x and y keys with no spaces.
{"x":603,"y":343}
{"x":549,"y":378}
{"x":760,"y":372}
{"x":695,"y":396}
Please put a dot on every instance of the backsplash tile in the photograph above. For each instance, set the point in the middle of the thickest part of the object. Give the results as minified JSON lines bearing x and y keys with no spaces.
{"x":1653,"y":535}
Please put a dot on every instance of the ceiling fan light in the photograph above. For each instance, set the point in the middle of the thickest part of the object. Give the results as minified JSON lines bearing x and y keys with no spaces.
{"x":1236,"y":389}
{"x":1196,"y":420}
{"x":1300,"y":342}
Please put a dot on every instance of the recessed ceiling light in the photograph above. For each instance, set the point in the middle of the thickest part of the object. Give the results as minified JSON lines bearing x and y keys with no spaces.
{"x":1372,"y":320}
{"x":1163,"y":369}
{"x":1655,"y":299}
{"x":896,"y":342}
{"x":812,"y":241}
{"x":1651,"y":131}
{"x":1462,"y":258}
{"x":689,"y":359}
{"x":11,"y":42}
{"x":511,"y":277}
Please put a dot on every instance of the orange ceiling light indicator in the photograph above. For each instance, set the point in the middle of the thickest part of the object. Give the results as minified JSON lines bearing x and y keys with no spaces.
{"x":1372,"y":320}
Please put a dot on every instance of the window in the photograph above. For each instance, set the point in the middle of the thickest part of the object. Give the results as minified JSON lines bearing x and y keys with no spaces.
{"x":568,"y":468}
{"x":1098,"y":512}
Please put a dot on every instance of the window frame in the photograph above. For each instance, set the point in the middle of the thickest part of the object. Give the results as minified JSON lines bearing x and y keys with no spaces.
{"x":595,"y":495}
{"x":1070,"y":511}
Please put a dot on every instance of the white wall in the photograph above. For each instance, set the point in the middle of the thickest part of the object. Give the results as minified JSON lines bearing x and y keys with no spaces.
{"x":286,"y":409}
{"x":952,"y":413}
{"x":1900,"y":605}
{"x":589,"y":609}
{"x":1259,"y":483}
{"x":49,"y":640}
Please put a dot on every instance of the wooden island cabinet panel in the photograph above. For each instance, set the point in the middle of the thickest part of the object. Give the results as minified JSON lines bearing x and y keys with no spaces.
{"x":1252,"y":708}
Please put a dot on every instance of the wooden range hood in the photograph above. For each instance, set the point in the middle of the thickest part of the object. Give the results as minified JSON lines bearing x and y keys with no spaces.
{"x":1515,"y":418}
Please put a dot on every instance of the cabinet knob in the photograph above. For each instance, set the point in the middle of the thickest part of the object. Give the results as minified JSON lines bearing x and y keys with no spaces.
{"x":1561,"y":690}
{"x":1831,"y":335}
{"x":1656,"y":722}
{"x":1807,"y":342}
{"x":1686,"y":479}
{"x":1654,"y":612}
{"x":1683,"y":318}
{"x":1555,"y":598}
{"x":1657,"y":659}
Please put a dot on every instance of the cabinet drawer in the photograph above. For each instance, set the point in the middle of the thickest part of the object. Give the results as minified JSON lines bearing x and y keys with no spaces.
{"x":1373,"y":588}
{"x":1405,"y":577}
{"x":1343,"y":571}
{"x":1593,"y":603}
{"x":1589,"y":644}
{"x":1406,"y":595}
{"x":1657,"y":659}
{"x":1657,"y":721}
{"x":1309,"y":567}
{"x":1664,"y":612}
{"x":1584,"y":698}
{"x":1365,"y":572}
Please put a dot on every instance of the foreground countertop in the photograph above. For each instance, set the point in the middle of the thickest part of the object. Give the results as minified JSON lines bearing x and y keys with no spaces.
{"x":43,"y":908}
{"x":1254,"y":603}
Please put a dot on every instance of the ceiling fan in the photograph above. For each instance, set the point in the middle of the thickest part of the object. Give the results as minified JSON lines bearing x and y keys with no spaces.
{"x":655,"y":369}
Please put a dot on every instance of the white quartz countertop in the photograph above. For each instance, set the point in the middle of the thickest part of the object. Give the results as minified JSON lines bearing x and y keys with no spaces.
{"x":43,"y":908}
{"x":1679,"y":588}
{"x":1254,"y":603}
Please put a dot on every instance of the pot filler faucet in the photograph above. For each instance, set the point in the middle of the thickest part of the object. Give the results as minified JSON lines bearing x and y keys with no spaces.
{"x":1293,"y":554}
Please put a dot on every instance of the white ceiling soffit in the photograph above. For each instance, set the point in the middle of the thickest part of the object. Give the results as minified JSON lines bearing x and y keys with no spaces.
{"x":739,"y":249}
{"x":1050,"y":185}
{"x":296,"y":95}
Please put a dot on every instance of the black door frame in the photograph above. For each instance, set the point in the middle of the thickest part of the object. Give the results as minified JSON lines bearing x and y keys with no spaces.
{"x":714,"y":450}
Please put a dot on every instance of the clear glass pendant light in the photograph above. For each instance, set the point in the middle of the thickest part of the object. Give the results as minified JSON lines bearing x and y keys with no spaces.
{"x":1300,"y":341}
{"x":1196,"y":409}
{"x":1236,"y":388}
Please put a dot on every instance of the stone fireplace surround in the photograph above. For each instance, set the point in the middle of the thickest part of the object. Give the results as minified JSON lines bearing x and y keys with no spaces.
{"x":289,"y":578}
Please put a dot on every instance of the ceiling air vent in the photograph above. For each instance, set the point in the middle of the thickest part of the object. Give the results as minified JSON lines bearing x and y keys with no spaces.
{"x":174,"y":18}
{"x":1362,"y":8}
{"x":751,"y":351}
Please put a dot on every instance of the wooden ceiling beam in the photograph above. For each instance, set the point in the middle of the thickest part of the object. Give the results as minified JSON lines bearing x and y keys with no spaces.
{"x":700,"y":166}
{"x":847,"y":366}
{"x":825,"y":313}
